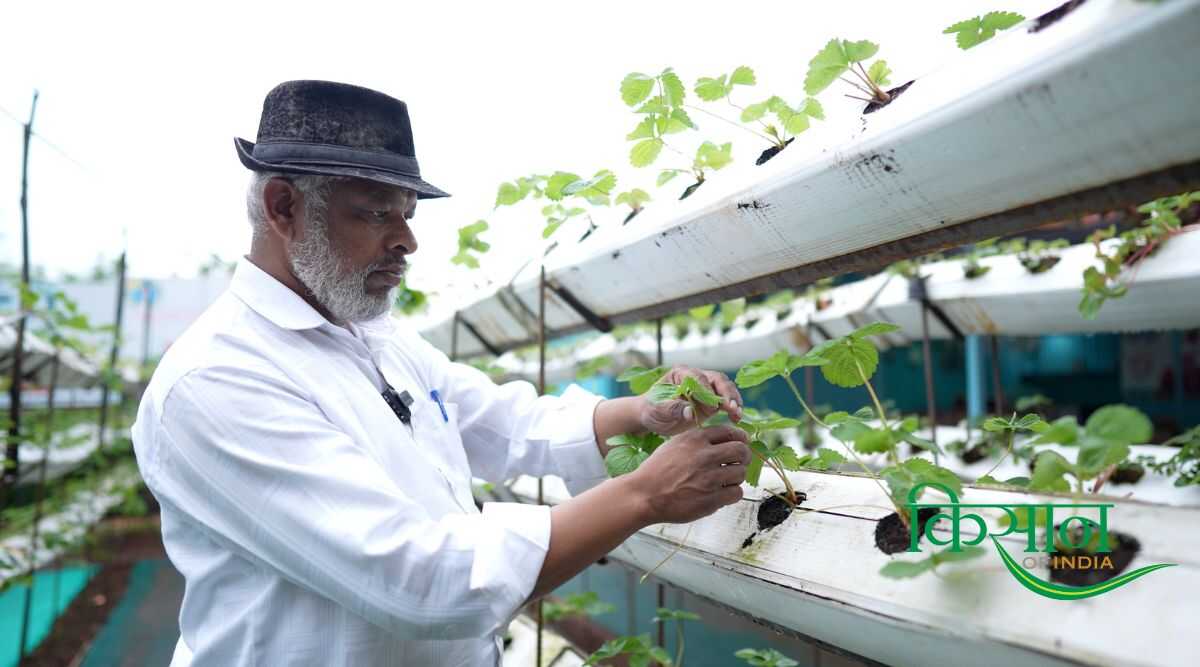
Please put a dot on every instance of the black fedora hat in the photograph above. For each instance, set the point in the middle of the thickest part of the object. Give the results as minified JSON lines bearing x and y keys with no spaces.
{"x":335,"y":129}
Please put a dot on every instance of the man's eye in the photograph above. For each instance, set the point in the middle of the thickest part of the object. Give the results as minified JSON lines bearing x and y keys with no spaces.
{"x":379,"y":216}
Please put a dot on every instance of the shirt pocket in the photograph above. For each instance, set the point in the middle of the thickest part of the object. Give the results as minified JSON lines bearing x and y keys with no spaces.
{"x":443,"y":442}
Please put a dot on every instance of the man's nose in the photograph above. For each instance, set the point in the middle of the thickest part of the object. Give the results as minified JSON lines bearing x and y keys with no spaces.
{"x":403,"y":240}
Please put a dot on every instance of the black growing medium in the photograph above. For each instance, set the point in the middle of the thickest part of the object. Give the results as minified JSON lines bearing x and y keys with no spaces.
{"x":772,"y":511}
{"x":772,"y":152}
{"x":1124,"y":548}
{"x":690,"y":189}
{"x":892,"y":95}
{"x":1055,"y":15}
{"x":892,"y":536}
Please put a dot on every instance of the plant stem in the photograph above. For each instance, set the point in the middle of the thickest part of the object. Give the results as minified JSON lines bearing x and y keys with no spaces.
{"x":669,"y":556}
{"x":1007,"y":451}
{"x":880,"y":95}
{"x":790,"y":499}
{"x":852,"y":83}
{"x":879,"y":408}
{"x":738,"y":125}
{"x":804,"y":404}
{"x":679,"y":641}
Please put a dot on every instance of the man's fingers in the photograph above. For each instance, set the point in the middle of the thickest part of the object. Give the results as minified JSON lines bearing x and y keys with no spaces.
{"x":725,"y":388}
{"x":730,"y":495}
{"x":731,"y":475}
{"x":728,"y":452}
{"x":724,"y":433}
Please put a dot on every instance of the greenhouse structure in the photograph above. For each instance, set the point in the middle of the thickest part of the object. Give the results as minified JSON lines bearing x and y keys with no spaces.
{"x":964,"y":321}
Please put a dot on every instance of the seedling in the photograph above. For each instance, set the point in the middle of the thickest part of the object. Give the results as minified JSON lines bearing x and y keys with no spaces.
{"x":975,"y":31}
{"x":593,"y":366}
{"x":635,"y":199}
{"x":1103,"y":443}
{"x":1009,"y":428}
{"x":840,"y":56}
{"x":659,"y":100}
{"x":770,"y":451}
{"x":562,"y":189}
{"x":468,"y":242}
{"x":765,"y":657}
{"x":789,"y":121}
{"x":575,"y":604}
{"x":1135,"y":245}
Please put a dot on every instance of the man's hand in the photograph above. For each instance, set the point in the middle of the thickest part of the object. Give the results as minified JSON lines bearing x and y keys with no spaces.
{"x":693,"y":474}
{"x":673,"y":417}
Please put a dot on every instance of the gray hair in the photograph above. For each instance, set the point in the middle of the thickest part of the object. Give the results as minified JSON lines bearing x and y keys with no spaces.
{"x":315,"y":189}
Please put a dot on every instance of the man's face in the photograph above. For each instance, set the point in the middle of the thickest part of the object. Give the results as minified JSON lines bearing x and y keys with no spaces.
{"x":352,"y":256}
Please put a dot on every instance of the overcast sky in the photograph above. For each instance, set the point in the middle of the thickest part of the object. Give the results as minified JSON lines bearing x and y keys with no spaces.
{"x":144,"y":99}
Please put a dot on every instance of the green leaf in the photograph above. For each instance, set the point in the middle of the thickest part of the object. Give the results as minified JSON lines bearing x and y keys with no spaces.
{"x":1062,"y":431}
{"x":666,"y":175}
{"x":995,"y":424}
{"x":508,"y":194}
{"x":754,"y":467}
{"x":663,"y":391}
{"x":830,"y":457}
{"x":912,"y":472}
{"x":712,"y":156}
{"x":1121,"y":423}
{"x":922,"y":443}
{"x":874,"y":329}
{"x":825,"y":67}
{"x":975,"y":31}
{"x":903,"y":569}
{"x":640,"y":379}
{"x":644,"y":130}
{"x":754,"y":112}
{"x":557,"y":183}
{"x":1096,"y":454}
{"x":1048,"y":471}
{"x":873,"y":441}
{"x":813,"y":109}
{"x":645,"y":152}
{"x":786,"y":456}
{"x":794,"y":122}
{"x":634,"y":198}
{"x":860,"y":50}
{"x":1039,"y":518}
{"x":623,"y":460}
{"x":711,"y":90}
{"x":742,"y":76}
{"x":593,"y":366}
{"x":879,"y":72}
{"x":692,"y":388}
{"x":673,"y":90}
{"x":847,"y":356}
{"x":551,"y":227}
{"x":663,"y":615}
{"x":760,"y":370}
{"x":636,"y":87}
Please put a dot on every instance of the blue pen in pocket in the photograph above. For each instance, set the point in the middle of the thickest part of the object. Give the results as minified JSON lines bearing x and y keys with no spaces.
{"x":441,"y":406}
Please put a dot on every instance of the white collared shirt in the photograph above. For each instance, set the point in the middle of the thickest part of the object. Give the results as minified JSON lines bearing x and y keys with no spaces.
{"x":311,"y":525}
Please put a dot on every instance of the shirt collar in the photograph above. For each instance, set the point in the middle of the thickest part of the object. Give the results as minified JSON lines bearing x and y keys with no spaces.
{"x":272,"y":299}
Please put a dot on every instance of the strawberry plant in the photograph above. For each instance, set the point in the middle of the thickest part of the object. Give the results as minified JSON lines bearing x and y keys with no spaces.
{"x":1009,"y":428}
{"x":769,"y":451}
{"x":659,"y":101}
{"x":564,"y":191}
{"x":1103,"y":443}
{"x":635,"y":199}
{"x":975,"y":31}
{"x":764,"y":657}
{"x":840,"y":56}
{"x":1131,"y":249}
{"x":640,"y":379}
{"x":592,"y":367}
{"x":789,"y":121}
{"x":640,"y":650}
{"x":627,"y":451}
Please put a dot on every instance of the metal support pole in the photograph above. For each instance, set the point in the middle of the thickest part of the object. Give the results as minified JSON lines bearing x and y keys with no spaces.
{"x":997,"y":386}
{"x":662,"y":589}
{"x":39,"y":498}
{"x":454,"y":337}
{"x":148,"y":308}
{"x":927,"y":358}
{"x":976,"y":384}
{"x":113,"y":351}
{"x":541,"y":390}
{"x":12,"y":451}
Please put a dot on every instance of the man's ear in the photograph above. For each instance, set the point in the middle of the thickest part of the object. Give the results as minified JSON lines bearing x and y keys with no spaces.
{"x":282,"y":204}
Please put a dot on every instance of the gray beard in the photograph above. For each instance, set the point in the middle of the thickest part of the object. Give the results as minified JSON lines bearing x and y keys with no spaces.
{"x":342,"y":292}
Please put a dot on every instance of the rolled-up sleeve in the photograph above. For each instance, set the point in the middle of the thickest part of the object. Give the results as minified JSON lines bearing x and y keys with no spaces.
{"x":259,"y":469}
{"x":508,"y":430}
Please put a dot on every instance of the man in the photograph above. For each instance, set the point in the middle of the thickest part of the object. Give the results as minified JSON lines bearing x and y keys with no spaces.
{"x":313,"y":458}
